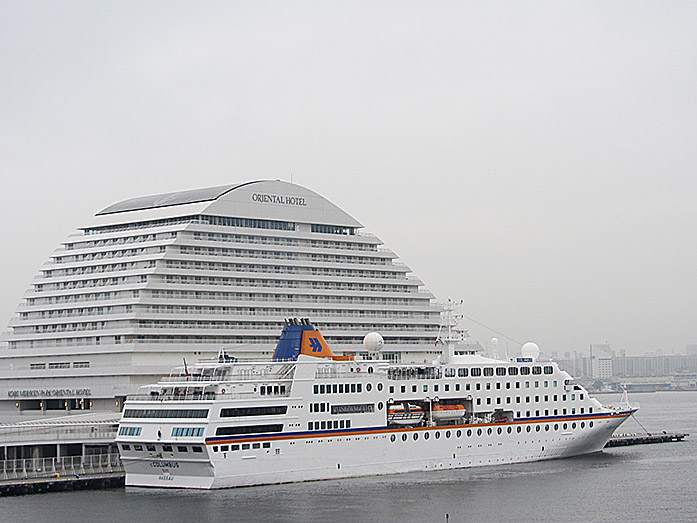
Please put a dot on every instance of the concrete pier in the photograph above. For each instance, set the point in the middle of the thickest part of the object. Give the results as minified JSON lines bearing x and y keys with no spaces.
{"x":59,"y":483}
{"x":623,"y":440}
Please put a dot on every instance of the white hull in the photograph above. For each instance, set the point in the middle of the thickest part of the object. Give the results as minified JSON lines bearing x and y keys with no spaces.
{"x":321,"y":457}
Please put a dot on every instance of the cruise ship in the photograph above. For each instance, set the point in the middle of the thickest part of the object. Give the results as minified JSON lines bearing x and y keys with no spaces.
{"x":308,"y":414}
{"x":151,"y":280}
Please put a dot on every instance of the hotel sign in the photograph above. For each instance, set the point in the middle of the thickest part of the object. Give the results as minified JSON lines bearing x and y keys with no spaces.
{"x":278,"y":200}
{"x":42,"y":393}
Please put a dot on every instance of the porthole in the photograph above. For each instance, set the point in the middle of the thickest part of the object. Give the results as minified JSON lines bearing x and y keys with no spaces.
{"x":379,"y":386}
{"x":447,"y":433}
{"x":583,"y":424}
{"x":564,"y":426}
{"x":590,"y":424}
{"x":392,"y":438}
{"x":556,"y":426}
{"x":519,"y":429}
{"x":528,"y":428}
{"x":469,"y":433}
{"x":368,"y":387}
{"x":427,"y":435}
{"x":509,"y":430}
{"x":498,"y":431}
{"x":404,"y":437}
{"x":573,"y":425}
{"x":416,"y":436}
{"x":437,"y":435}
{"x":479,"y":432}
{"x":537,"y":428}
{"x":459,"y":433}
{"x":547,"y":428}
{"x":489,"y":431}
{"x":380,"y":405}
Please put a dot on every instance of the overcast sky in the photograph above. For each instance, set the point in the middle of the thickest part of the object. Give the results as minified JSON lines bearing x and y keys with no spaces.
{"x":534,"y":159}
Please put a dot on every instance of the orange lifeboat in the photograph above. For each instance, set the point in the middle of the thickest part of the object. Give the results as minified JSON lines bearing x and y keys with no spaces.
{"x":448,"y":412}
{"x":405,"y":414}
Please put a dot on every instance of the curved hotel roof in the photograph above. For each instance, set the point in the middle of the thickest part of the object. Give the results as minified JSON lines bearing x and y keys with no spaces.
{"x":152,"y":280}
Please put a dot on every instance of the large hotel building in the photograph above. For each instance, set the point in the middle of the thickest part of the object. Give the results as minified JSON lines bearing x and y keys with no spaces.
{"x":155,"y":280}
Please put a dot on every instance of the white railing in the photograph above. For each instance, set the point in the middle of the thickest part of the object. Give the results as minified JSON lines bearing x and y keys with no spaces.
{"x":58,"y":467}
{"x":17,"y":433}
{"x":204,"y":397}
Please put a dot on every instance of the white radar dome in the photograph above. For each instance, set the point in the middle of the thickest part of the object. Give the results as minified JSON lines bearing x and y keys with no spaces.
{"x":494,"y":341}
{"x":530,"y":350}
{"x":373,"y":342}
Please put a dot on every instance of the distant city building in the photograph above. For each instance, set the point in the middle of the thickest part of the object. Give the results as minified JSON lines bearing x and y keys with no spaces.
{"x":601,"y":361}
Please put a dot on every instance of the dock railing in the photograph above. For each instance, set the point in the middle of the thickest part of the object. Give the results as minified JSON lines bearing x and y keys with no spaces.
{"x":31,"y":468}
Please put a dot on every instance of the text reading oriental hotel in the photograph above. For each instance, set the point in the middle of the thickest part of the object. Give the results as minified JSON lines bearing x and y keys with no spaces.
{"x":157,"y":279}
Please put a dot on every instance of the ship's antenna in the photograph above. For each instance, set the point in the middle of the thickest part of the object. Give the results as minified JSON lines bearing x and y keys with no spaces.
{"x":453,"y":334}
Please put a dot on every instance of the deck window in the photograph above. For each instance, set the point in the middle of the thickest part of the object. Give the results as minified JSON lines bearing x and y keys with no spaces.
{"x":130,"y":431}
{"x":187,"y":432}
{"x":253,"y":411}
{"x":165,"y":413}
{"x":248,"y":429}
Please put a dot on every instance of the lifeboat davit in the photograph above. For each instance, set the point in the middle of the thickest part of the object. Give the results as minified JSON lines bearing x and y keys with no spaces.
{"x":405,"y":415}
{"x":447,"y":412}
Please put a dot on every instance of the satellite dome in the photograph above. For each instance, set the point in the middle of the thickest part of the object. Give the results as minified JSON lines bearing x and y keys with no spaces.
{"x":373,"y":342}
{"x":530,"y":350}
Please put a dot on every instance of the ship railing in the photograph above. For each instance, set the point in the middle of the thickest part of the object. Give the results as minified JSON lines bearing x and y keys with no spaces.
{"x":204,"y":397}
{"x":64,"y":432}
{"x":30,"y":468}
{"x":229,"y":377}
{"x":622,"y":406}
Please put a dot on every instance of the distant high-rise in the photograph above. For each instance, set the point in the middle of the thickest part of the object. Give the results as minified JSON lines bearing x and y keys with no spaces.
{"x":601,"y":361}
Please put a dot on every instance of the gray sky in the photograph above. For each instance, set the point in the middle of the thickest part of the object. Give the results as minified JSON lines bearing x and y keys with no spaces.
{"x":535,"y":159}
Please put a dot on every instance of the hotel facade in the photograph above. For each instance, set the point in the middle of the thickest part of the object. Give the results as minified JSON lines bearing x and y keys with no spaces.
{"x":157,"y":280}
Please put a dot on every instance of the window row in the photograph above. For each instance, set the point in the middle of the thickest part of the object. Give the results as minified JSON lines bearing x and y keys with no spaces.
{"x":248,"y":429}
{"x":130,"y":431}
{"x":278,"y":240}
{"x":338,"y":388}
{"x":290,"y":298}
{"x":165,"y":448}
{"x":243,"y":446}
{"x":253,"y":411}
{"x":490,"y":431}
{"x":165,"y":413}
{"x":187,"y":432}
{"x":256,"y":282}
{"x":329,"y":424}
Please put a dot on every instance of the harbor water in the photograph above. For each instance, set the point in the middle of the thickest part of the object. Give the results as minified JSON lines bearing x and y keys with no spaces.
{"x":640,"y":483}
